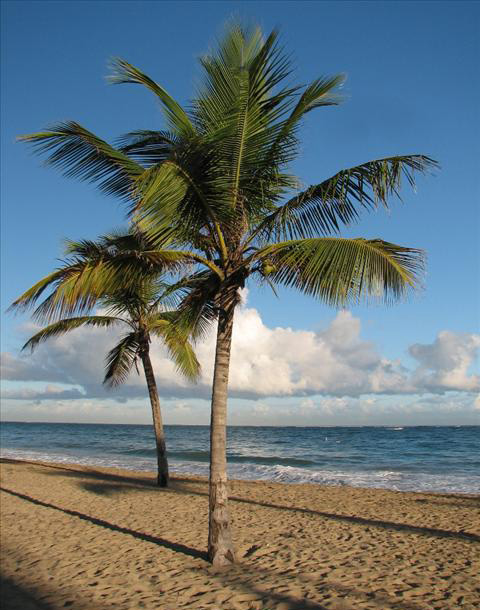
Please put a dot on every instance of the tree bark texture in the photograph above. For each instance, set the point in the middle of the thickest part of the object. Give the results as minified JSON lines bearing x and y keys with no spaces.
{"x":162,"y":463}
{"x":220,"y":545}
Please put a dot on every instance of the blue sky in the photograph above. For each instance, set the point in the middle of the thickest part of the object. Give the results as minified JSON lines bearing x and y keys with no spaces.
{"x":412,"y":87}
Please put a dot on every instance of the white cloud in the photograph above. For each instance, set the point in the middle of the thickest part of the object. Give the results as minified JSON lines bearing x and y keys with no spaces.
{"x":181,"y":408}
{"x":49,"y":392}
{"x":76,"y":411}
{"x":379,"y":410}
{"x":444,"y":364}
{"x":28,"y":369}
{"x":266,"y":362}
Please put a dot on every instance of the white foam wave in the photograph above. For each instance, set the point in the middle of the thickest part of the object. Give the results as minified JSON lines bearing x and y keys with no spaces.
{"x":384,"y":479}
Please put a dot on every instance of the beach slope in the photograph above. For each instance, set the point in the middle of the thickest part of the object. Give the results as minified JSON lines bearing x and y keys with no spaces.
{"x":96,"y":539}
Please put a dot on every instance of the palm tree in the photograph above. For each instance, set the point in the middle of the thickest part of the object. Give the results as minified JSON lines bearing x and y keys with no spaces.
{"x":214,"y":188}
{"x":138,"y":307}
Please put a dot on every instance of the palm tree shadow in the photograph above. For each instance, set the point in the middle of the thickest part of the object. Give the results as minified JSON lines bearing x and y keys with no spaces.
{"x":404,"y":527}
{"x":19,"y":596}
{"x":137,"y":482}
{"x":467,"y":502}
{"x":173,"y":546}
{"x":49,"y":469}
{"x":16,"y":597}
{"x":109,"y":489}
{"x":246,"y":576}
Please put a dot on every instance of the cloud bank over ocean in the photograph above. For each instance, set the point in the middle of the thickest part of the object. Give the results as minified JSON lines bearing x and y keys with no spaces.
{"x":327,"y":373}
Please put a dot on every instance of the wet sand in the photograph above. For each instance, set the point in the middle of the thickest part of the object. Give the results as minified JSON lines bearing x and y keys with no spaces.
{"x":96,"y":539}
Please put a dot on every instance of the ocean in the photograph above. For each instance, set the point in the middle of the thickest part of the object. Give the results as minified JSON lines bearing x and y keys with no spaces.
{"x":420,"y":458}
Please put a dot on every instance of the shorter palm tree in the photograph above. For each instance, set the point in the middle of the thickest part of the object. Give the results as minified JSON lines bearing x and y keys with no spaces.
{"x":138,"y":308}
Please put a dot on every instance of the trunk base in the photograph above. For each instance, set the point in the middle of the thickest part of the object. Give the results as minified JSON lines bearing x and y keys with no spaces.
{"x":222,"y":558}
{"x":162,"y":480}
{"x":221,"y":551}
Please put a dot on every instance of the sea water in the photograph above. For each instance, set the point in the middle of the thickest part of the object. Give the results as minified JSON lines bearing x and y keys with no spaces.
{"x":423,"y":458}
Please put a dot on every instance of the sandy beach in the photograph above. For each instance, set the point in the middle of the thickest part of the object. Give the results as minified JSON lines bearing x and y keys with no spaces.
{"x":91,"y":539}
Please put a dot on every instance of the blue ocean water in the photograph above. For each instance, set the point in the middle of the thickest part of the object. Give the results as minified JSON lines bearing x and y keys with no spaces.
{"x":442,"y":459}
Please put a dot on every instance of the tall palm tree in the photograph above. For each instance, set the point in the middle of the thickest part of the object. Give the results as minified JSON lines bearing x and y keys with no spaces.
{"x":138,"y":306}
{"x":214,"y":188}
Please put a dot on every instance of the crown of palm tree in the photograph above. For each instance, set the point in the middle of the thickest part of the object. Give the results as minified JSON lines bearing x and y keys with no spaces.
{"x":213,"y":188}
{"x":142,"y":305}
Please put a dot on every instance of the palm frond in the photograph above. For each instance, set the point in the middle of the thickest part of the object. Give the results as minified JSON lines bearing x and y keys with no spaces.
{"x":343,"y":271}
{"x":199,"y":307}
{"x":160,"y":191}
{"x":322,"y":208}
{"x":31,"y":296}
{"x":148,"y":147}
{"x":173,"y":204}
{"x":171,"y":295}
{"x":120,"y":359}
{"x":177,"y":344}
{"x":78,"y":153}
{"x":238,"y":109}
{"x":64,"y":326}
{"x":86,"y":248}
{"x":84,"y":284}
{"x":177,"y":118}
{"x":321,"y":92}
{"x":78,"y":292}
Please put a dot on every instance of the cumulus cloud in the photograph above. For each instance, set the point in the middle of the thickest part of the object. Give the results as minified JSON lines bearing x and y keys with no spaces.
{"x":50,"y":392}
{"x":266,"y":362}
{"x":456,"y":408}
{"x":286,"y":362}
{"x":28,"y":369}
{"x":445,"y":364}
{"x":76,"y":411}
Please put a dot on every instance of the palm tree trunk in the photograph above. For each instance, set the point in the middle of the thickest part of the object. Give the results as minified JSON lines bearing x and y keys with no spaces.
{"x":220,"y":546}
{"x":162,"y":463}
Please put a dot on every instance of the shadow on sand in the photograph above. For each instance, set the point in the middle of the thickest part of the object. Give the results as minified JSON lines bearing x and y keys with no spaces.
{"x":250,"y":577}
{"x":16,"y":596}
{"x":173,"y":546}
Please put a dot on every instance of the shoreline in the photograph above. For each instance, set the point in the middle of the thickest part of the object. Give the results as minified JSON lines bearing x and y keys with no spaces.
{"x":94,"y":538}
{"x":181,"y":468}
{"x":150,"y":475}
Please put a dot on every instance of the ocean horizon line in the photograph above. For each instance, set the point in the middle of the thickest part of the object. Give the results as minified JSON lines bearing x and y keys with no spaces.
{"x":149,"y":425}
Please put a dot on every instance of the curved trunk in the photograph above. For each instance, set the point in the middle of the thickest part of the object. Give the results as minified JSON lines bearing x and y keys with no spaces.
{"x":220,"y":546}
{"x":162,"y":463}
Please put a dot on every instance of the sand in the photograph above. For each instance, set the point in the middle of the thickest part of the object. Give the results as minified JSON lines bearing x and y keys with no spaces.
{"x":96,"y":539}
